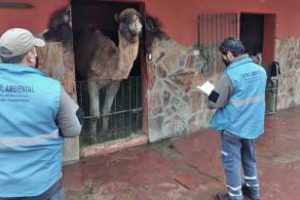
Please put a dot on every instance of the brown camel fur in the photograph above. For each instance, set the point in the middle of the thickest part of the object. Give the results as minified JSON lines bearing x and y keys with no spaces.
{"x":97,"y":56}
{"x":108,"y":64}
{"x":56,"y":59}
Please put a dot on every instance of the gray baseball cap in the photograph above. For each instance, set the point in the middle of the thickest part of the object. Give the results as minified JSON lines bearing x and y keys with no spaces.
{"x":18,"y":41}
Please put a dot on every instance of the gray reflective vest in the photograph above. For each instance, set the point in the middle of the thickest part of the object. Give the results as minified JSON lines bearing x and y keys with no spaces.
{"x":30,"y":143}
{"x":244,"y":114}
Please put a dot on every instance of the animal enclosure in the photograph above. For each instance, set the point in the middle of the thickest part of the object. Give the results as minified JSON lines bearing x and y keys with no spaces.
{"x":120,"y":109}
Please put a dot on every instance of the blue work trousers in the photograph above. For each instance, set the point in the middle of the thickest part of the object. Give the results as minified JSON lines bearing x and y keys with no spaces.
{"x":238,"y":153}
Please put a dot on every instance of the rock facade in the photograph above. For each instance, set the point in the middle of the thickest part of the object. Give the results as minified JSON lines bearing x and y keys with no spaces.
{"x":288,"y":56}
{"x":175,"y":106}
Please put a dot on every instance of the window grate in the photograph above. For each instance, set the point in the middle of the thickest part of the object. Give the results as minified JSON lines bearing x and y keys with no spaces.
{"x":212,"y":30}
{"x":125,"y":117}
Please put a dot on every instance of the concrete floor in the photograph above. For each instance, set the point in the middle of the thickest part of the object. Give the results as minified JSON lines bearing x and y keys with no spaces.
{"x":189,"y":168}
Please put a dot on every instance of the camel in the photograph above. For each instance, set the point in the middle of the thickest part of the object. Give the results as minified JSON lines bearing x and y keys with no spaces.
{"x":103,"y":62}
{"x":106,"y":63}
{"x":56,"y":58}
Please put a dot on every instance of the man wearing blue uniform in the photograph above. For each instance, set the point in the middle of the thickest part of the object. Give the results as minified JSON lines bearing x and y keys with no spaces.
{"x":239,"y":98}
{"x":35,"y":115}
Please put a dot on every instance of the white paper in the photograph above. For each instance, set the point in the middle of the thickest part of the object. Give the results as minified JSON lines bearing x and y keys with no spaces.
{"x":206,"y":88}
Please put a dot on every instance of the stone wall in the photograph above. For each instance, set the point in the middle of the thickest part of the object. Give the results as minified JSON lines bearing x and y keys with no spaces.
{"x":288,"y":56}
{"x":175,"y":106}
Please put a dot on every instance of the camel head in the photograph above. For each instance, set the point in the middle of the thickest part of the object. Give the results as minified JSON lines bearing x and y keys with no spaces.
{"x":130,"y":25}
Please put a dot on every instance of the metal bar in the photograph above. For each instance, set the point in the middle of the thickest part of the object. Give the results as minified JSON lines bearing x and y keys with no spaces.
{"x":231,"y":27}
{"x":136,"y":101}
{"x":237,"y":23}
{"x":122,"y":117}
{"x":198,"y":27}
{"x":115,"y":116}
{"x":15,"y":5}
{"x":217,"y":40}
{"x":115,"y":113}
{"x":227,"y":33}
{"x":228,"y":25}
{"x":212,"y":43}
{"x":221,"y":33}
{"x":130,"y":103}
{"x":201,"y":36}
{"x":207,"y":31}
{"x":211,"y":17}
{"x":80,"y":88}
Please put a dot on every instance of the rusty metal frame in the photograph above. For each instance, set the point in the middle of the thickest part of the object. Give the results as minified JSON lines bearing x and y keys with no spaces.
{"x":16,"y":5}
{"x":125,"y":117}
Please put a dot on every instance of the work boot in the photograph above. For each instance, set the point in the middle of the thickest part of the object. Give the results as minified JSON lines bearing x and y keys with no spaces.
{"x":247,"y":192}
{"x":222,"y":196}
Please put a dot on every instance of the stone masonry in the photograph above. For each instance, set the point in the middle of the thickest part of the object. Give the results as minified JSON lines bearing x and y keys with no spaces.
{"x":288,"y":56}
{"x":175,"y":106}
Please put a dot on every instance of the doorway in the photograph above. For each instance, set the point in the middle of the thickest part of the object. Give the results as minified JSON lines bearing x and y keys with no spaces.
{"x":126,"y":114}
{"x":257,"y":32}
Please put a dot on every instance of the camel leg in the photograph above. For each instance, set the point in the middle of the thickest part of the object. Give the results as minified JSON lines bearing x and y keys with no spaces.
{"x":111,"y":92}
{"x":94,"y":108}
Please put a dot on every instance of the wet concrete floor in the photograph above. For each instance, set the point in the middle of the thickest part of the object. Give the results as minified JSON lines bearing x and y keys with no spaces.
{"x":188,"y":167}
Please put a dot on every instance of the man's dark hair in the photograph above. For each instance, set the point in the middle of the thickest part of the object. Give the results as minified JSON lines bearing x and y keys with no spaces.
{"x":233,"y":45}
{"x":13,"y":60}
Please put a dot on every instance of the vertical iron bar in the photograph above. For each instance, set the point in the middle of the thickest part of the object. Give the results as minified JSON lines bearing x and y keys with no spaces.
{"x":237,"y":25}
{"x":212,"y":43}
{"x":206,"y":43}
{"x":221,"y":33}
{"x":231,"y":27}
{"x":227,"y":33}
{"x":121,"y":129}
{"x":227,"y":25}
{"x":198,"y":27}
{"x":115,"y":115}
{"x":216,"y":42}
{"x":136,"y":91}
{"x":224,"y":26}
{"x":130,"y":103}
{"x":202,"y":30}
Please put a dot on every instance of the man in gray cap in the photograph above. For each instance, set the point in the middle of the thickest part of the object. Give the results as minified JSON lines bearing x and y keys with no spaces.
{"x":239,"y":98}
{"x":18,"y":43}
{"x":35,"y":115}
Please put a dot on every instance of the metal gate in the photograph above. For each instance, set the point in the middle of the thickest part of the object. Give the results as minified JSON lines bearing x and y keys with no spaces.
{"x":212,"y":30}
{"x":125,"y":117}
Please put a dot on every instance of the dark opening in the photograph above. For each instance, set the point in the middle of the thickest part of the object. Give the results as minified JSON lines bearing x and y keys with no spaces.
{"x":252,"y":33}
{"x":100,"y":14}
{"x":125,"y":117}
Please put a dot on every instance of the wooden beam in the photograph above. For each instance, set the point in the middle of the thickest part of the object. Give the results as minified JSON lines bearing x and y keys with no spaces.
{"x":113,"y":146}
